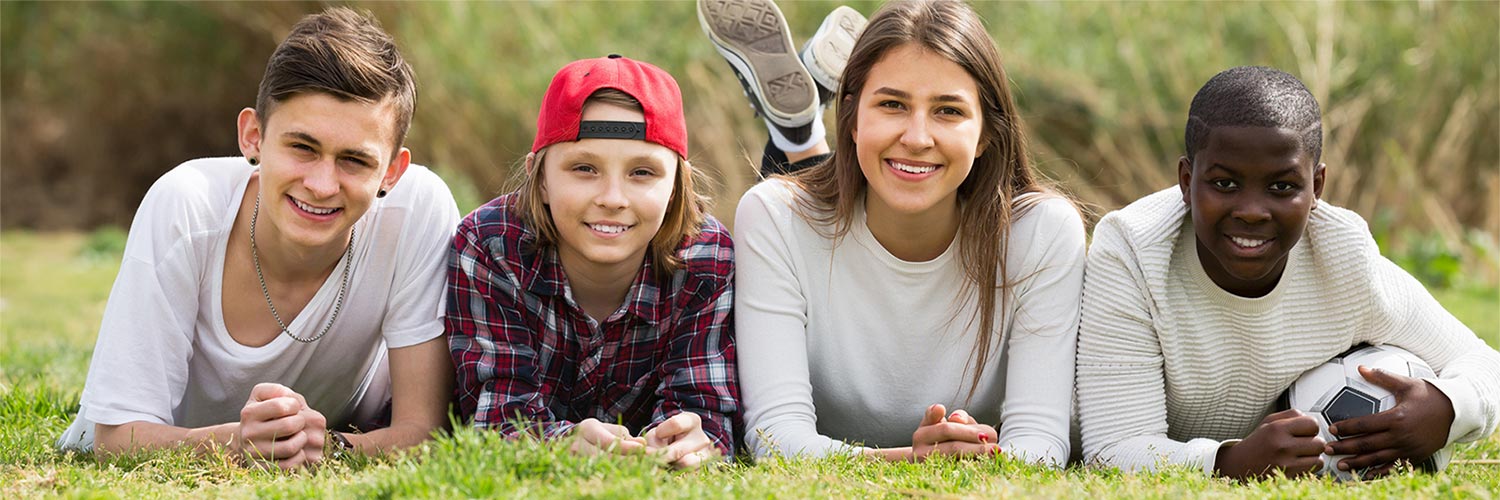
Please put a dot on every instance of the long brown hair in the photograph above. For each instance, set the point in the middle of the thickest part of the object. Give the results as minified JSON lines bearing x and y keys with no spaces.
{"x":988,"y":199}
{"x":682,"y":222}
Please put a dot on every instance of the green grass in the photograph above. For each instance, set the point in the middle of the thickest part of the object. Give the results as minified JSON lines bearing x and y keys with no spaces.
{"x":53,"y":289}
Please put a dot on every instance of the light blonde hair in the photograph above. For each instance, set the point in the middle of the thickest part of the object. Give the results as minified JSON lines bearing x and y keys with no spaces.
{"x":685,"y":211}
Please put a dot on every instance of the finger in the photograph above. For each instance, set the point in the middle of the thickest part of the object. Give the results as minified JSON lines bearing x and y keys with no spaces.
{"x":691,"y":461}
{"x":292,"y":463}
{"x":273,"y":430}
{"x":1379,"y":457}
{"x":948,"y":431}
{"x":1307,"y":447}
{"x":1362,"y":444}
{"x":933,"y":415}
{"x":1302,"y":466}
{"x":1378,"y":471}
{"x":1390,"y":381}
{"x":1368,"y":424}
{"x":961,"y":417}
{"x":313,"y":420}
{"x":267,"y":390}
{"x":270,"y":409}
{"x":628,"y":445}
{"x":689,"y":444}
{"x":1299,"y":426}
{"x":1281,"y":415}
{"x":963,"y":449}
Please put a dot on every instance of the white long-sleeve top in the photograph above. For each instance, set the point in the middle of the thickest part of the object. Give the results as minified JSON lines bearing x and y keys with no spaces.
{"x":1171,"y":367}
{"x":843,"y":345}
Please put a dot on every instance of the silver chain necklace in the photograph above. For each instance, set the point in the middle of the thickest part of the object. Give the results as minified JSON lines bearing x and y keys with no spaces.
{"x":343,"y":288}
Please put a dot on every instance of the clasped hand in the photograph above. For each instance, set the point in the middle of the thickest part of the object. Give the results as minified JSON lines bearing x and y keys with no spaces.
{"x":278,"y":429}
{"x":956,"y":435}
{"x":678,"y":441}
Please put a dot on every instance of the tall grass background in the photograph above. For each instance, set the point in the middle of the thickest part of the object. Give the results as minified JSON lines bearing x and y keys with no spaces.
{"x":99,"y":99}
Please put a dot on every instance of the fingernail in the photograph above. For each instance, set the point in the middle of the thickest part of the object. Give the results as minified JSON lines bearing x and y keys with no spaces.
{"x":983,"y":439}
{"x":1343,"y":466}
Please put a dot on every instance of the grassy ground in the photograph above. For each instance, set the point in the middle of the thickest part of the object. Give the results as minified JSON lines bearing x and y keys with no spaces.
{"x":53,"y":289}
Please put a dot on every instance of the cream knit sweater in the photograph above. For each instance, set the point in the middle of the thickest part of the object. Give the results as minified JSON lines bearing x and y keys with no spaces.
{"x":1171,"y":367}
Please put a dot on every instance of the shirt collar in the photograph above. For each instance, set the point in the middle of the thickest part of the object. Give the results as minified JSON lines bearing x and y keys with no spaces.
{"x":645,"y":300}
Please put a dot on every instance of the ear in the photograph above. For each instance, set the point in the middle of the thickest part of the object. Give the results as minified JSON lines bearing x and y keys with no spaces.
{"x":1185,"y":178}
{"x":531,"y":171}
{"x":1318,"y":174}
{"x":249,"y":133}
{"x":396,"y":169}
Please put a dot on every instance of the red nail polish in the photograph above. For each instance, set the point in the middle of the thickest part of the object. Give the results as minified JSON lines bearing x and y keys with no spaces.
{"x":983,"y":439}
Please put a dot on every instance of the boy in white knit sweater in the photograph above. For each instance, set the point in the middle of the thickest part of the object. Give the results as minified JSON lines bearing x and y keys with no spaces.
{"x":1204,"y":301}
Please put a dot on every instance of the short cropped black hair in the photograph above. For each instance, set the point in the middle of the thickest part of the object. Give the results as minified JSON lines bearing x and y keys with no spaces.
{"x":1254,"y":96}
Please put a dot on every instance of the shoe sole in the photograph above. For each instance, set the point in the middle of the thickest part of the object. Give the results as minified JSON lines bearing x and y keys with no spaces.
{"x":753,"y":36}
{"x":827,"y":52}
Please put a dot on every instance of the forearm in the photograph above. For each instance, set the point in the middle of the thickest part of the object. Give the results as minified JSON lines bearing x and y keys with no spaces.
{"x":394,"y":438}
{"x":902,"y":454}
{"x":134,"y":437}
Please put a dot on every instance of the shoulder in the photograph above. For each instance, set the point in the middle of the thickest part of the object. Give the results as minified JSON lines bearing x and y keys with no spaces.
{"x":776,"y":196}
{"x":195,"y":196}
{"x":496,"y":230}
{"x":710,"y":256}
{"x":1150,"y":224}
{"x":421,"y":191}
{"x":209,"y":182}
{"x":1338,"y":238}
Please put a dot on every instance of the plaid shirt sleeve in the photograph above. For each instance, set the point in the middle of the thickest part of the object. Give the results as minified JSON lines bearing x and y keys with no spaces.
{"x":700,"y":374}
{"x":499,"y":379}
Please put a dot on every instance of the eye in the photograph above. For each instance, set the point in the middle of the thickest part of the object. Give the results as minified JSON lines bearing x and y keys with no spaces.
{"x":357,"y":161}
{"x":643,"y":172}
{"x":1283,"y":187}
{"x":951,"y":111}
{"x":302,"y":147}
{"x":583,"y":168}
{"x":890,"y":104}
{"x":1224,"y":184}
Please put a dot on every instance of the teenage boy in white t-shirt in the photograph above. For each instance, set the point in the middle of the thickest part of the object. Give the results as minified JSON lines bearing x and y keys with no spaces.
{"x":266,"y":302}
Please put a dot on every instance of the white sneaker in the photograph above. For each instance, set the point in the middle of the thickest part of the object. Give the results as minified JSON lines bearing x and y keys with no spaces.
{"x":753,"y":36}
{"x":826,"y":53}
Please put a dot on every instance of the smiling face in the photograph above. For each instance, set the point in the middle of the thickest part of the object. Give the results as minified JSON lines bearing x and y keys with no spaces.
{"x":607,"y":197}
{"x":917,"y":133}
{"x":322,"y":161}
{"x":1250,"y":191}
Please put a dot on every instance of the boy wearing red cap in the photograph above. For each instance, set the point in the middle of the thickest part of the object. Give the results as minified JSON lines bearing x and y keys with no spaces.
{"x":594,"y":301}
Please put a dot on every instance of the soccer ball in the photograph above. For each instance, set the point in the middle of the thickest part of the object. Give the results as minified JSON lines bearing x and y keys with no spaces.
{"x":1335,"y":391}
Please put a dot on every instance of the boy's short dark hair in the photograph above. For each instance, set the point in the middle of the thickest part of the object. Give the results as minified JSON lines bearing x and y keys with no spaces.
{"x":345,"y":54}
{"x":1254,"y":96}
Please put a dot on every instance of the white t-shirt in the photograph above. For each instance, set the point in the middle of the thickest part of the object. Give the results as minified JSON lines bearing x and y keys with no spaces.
{"x":164,"y":355}
{"x":1171,"y":367}
{"x":846,"y":345}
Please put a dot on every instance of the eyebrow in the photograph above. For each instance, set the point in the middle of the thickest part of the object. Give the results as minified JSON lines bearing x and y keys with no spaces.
{"x":1293,"y":171}
{"x":592,"y":156}
{"x":304,"y":137}
{"x":901,"y":94}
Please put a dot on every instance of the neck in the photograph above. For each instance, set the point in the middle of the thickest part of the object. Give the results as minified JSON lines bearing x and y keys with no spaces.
{"x":918,"y":237}
{"x":286,"y":262}
{"x":598,"y":288}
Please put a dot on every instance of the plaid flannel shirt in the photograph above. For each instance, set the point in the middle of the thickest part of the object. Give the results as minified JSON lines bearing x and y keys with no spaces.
{"x":530,"y":360}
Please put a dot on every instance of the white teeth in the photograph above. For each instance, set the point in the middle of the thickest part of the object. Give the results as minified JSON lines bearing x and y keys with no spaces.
{"x":313,"y":210}
{"x":1246,"y":242}
{"x":609,"y":229}
{"x":912,"y":169}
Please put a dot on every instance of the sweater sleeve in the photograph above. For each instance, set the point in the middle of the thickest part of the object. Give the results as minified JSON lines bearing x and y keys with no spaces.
{"x":1468,"y":370}
{"x":1042,"y":343}
{"x":1121,"y":383}
{"x":771,"y":329}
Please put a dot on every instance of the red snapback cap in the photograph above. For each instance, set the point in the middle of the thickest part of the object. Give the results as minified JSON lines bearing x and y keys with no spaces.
{"x":560,"y":119}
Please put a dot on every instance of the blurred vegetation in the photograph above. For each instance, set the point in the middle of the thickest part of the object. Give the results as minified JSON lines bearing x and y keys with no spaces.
{"x":98,"y":99}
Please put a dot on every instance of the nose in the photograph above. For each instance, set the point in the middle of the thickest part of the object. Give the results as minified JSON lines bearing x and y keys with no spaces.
{"x":1252,"y":210}
{"x":916,"y":137}
{"x":612,"y":195}
{"x":321,"y":179}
